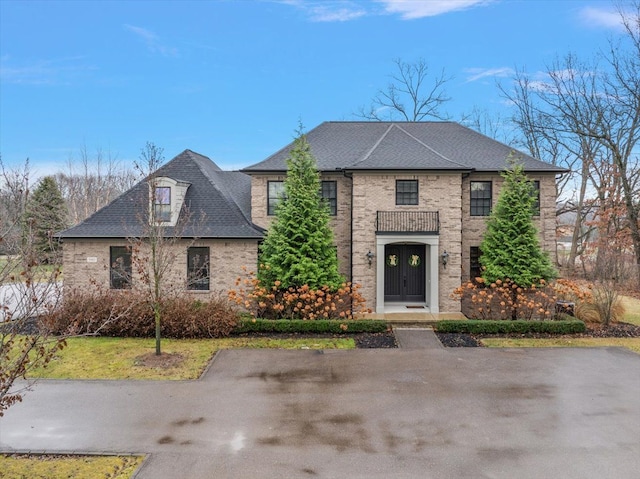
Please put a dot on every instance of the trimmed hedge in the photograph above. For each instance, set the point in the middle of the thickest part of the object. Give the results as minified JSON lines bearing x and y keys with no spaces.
{"x":481,"y":326}
{"x":316,"y":326}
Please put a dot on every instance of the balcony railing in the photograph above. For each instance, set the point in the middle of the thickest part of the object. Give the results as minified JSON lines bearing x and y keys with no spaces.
{"x":408,"y":222}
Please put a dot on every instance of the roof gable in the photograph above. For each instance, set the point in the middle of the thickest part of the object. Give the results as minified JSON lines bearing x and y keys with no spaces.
{"x":218,"y":201}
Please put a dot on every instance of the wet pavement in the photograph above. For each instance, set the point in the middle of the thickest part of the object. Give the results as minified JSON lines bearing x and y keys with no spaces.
{"x":405,"y":413}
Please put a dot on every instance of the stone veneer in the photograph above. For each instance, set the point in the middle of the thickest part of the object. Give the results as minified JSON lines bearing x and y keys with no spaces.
{"x":341,"y":223}
{"x":473,"y":227}
{"x":376,"y":192}
{"x":86,"y":261}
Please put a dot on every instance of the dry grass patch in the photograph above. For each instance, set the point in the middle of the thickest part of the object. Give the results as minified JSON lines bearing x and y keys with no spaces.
{"x":630,"y":343}
{"x":132,"y":358}
{"x":17,"y":466}
{"x":632,"y":310}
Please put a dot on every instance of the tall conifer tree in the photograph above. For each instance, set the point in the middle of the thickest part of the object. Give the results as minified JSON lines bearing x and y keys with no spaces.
{"x":45,"y":215}
{"x":298,"y":248}
{"x":510,"y":247}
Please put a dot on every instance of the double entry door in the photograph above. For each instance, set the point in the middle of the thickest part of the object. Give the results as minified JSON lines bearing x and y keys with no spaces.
{"x":404,"y":273}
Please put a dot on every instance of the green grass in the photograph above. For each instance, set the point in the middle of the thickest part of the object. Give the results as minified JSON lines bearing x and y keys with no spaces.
{"x":632,"y":344}
{"x":119,"y":358}
{"x":632,"y":310}
{"x":63,"y":467}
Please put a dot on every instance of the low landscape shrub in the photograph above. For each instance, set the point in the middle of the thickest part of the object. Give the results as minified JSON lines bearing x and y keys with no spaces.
{"x":122,"y":313}
{"x":297,"y":302}
{"x":506,"y":300}
{"x":510,"y":327}
{"x":320,"y":326}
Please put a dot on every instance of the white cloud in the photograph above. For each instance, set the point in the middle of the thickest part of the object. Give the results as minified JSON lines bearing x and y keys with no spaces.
{"x":598,"y":17}
{"x":475,"y":74}
{"x":328,"y":11}
{"x":54,"y":71}
{"x":412,"y":9}
{"x":152,"y":41}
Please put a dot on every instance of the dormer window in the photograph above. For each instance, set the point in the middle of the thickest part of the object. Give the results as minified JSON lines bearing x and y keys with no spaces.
{"x":162,"y":204}
{"x":166,"y":200}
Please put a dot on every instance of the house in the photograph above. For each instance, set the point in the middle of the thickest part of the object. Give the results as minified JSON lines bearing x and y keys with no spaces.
{"x":408,"y":201}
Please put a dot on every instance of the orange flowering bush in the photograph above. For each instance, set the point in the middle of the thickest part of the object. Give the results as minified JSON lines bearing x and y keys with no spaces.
{"x":297,"y":302}
{"x":507,"y":300}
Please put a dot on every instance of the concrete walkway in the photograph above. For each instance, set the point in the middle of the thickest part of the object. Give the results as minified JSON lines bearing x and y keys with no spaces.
{"x":463,"y":413}
{"x":417,"y":338}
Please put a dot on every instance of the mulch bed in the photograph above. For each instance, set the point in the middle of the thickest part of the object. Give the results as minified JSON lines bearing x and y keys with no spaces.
{"x":618,"y":330}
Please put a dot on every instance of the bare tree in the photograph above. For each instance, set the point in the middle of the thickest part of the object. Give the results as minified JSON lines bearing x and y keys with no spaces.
{"x":411,"y":95}
{"x":586,"y":117}
{"x":159,"y":242}
{"x":26,"y":291}
{"x":92,"y":181}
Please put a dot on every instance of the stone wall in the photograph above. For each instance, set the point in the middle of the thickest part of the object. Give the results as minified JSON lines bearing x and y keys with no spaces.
{"x":437,"y":192}
{"x":473,"y":227}
{"x":86,"y":263}
{"x":340,"y":224}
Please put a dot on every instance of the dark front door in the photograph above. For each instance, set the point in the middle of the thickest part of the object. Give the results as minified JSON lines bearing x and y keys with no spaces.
{"x":404,"y":273}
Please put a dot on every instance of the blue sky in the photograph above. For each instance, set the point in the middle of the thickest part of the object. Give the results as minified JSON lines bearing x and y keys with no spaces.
{"x":232,"y":79}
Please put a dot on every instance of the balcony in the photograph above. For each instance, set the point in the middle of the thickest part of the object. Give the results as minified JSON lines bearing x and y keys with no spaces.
{"x":408,"y":222}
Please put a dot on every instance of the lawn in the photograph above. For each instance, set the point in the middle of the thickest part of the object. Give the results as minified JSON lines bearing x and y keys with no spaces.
{"x":63,"y":467}
{"x":630,"y":343}
{"x":632,"y":310}
{"x":132,"y":358}
{"x":632,"y":316}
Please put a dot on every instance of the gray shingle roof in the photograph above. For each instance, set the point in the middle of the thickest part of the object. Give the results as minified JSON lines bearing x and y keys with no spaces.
{"x":219,"y":202}
{"x":403,"y":146}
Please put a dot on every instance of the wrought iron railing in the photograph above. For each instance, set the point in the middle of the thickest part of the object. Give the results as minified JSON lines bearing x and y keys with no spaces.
{"x":411,"y":222}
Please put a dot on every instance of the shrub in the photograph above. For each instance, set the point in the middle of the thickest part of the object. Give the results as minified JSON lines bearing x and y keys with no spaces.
{"x":319,"y":326}
{"x":505,"y":299}
{"x":297,"y":302}
{"x":127,"y":314}
{"x":510,"y":327}
{"x":604,"y":306}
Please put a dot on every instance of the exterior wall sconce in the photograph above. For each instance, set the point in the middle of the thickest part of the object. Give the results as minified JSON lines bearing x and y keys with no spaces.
{"x":445,"y":259}
{"x":370,"y":256}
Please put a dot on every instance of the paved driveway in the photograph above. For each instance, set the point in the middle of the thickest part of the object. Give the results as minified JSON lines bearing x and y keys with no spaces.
{"x":437,"y":413}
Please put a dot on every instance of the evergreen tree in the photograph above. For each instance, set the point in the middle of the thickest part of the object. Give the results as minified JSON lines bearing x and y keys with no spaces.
{"x":45,"y":215}
{"x":298,"y":248}
{"x":510,"y":247}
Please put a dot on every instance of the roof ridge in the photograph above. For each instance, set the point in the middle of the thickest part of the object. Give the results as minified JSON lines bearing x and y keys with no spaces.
{"x":430,"y":149}
{"x":376,"y":144}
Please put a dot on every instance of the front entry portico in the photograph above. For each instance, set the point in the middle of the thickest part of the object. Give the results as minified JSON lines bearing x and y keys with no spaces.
{"x":407,"y":271}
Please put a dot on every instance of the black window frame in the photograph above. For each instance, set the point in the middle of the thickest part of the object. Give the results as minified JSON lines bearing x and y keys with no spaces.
{"x":162,"y":209}
{"x":272,"y":202}
{"x":120,"y":267}
{"x":406,"y":196}
{"x":536,"y":197}
{"x":475,"y":267}
{"x":198,"y":268}
{"x":329,"y":193}
{"x":480,"y":204}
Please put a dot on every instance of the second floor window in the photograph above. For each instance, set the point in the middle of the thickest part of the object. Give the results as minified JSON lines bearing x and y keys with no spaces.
{"x":406,"y":192}
{"x":536,"y":196}
{"x":480,"y":198}
{"x":328,"y":191}
{"x":162,"y":203}
{"x":275,"y":194}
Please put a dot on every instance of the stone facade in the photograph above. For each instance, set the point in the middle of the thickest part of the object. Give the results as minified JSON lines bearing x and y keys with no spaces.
{"x":86,"y":263}
{"x":473,"y":227}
